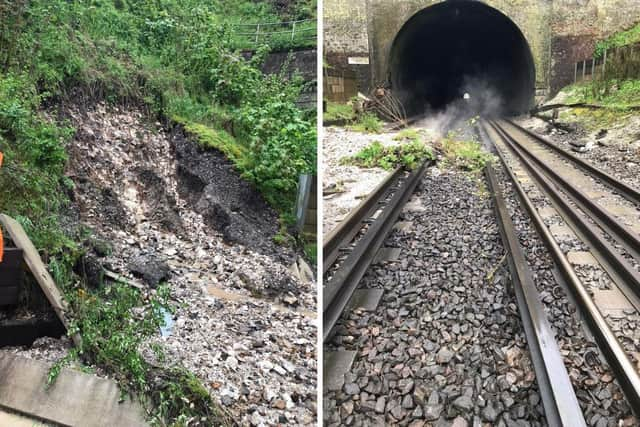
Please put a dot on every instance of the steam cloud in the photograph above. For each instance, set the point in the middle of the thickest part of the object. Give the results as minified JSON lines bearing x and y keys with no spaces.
{"x":483,"y":101}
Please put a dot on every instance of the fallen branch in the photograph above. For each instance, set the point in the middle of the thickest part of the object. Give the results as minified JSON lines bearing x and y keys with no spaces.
{"x":118,"y":278}
{"x":577,"y":105}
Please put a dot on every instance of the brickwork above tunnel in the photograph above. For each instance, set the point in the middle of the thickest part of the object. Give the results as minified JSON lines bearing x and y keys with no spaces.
{"x":559,"y":32}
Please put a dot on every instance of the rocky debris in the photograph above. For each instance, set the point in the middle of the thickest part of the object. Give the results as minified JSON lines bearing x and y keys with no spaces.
{"x":150,"y":269}
{"x":446,"y":344}
{"x":257,"y":356}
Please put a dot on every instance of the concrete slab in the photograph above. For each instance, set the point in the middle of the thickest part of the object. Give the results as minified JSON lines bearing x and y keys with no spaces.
{"x":581,"y":258}
{"x":387,"y":255}
{"x":547,"y":212}
{"x":366,"y":299}
{"x":618,"y":210}
{"x":14,"y":420}
{"x":561,"y":230}
{"x":594,"y":195}
{"x":635,"y":226}
{"x":74,"y":399}
{"x":336,"y":364}
{"x":611,"y":300}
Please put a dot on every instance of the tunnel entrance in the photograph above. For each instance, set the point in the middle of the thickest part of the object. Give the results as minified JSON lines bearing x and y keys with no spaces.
{"x":462,"y":47}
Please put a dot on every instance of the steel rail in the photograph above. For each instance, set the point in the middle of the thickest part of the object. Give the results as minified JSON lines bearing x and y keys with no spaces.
{"x":625,"y":190}
{"x":604,"y":219}
{"x":561,"y":406}
{"x":339,"y":289}
{"x":348,"y":227}
{"x":614,"y":263}
{"x":622,"y":367}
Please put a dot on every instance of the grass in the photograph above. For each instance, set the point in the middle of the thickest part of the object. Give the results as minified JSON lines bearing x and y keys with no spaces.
{"x":408,"y":134}
{"x":218,"y":139}
{"x":466,"y":155}
{"x":615,"y":98}
{"x":595,"y":119}
{"x":311,"y":252}
{"x":377,"y":155}
{"x":337,"y":112}
{"x":367,"y":123}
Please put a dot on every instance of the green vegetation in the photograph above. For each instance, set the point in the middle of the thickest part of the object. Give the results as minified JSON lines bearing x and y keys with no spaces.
{"x":410,"y":134}
{"x":377,"y":155}
{"x":614,"y":94}
{"x":311,"y":252}
{"x":338,"y":112}
{"x":176,"y":59}
{"x":367,"y":123}
{"x":467,"y":155}
{"x":623,"y":38}
{"x":617,"y":85}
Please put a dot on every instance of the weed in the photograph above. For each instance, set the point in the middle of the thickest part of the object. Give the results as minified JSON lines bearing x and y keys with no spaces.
{"x":367,"y":122}
{"x":619,"y":39}
{"x":377,"y":155}
{"x":408,"y":134}
{"x":311,"y":252}
{"x":338,"y":112}
{"x":465,"y":154}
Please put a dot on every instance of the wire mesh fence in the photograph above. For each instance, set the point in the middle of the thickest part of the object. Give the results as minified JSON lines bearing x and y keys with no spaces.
{"x":277,"y":34}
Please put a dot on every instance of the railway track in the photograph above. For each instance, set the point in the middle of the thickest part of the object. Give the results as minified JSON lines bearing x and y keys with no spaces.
{"x":350,"y":249}
{"x":589,"y":222}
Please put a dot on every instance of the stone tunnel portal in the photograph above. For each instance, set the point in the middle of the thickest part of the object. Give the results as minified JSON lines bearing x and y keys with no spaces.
{"x":462,"y":47}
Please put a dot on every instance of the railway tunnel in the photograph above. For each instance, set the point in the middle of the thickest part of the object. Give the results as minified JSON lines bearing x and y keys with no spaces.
{"x":462,"y":47}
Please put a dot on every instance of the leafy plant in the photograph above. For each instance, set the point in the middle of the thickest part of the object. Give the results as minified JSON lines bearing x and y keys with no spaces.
{"x":465,"y":154}
{"x":377,"y":155}
{"x":619,"y":39}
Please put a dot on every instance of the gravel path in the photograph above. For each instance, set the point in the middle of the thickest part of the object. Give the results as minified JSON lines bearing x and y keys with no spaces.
{"x":446,"y":344}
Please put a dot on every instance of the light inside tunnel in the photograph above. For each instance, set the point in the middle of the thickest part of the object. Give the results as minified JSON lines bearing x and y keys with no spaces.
{"x":462,"y":47}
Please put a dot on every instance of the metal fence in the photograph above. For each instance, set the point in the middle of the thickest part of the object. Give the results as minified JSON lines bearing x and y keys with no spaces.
{"x":610,"y":64}
{"x":303,"y":32}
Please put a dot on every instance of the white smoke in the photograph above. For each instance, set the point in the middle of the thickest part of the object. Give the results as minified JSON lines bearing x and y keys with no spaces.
{"x":477,"y":97}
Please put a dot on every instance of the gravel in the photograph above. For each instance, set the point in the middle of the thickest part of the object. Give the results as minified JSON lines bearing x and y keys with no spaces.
{"x":446,"y":345}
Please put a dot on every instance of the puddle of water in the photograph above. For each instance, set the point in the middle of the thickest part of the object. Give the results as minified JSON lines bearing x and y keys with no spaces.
{"x":165,"y":329}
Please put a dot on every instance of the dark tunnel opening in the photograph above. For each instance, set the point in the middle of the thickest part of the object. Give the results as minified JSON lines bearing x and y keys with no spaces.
{"x":462,"y":47}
